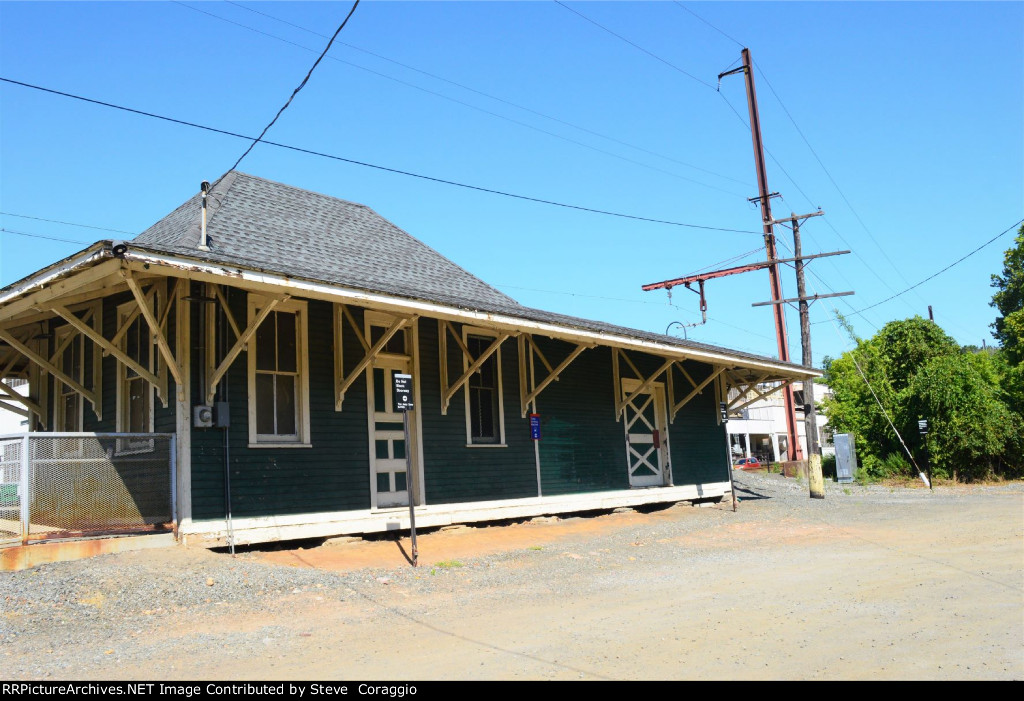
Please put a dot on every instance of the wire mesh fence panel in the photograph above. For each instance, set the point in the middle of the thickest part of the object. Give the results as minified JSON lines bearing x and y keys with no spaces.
{"x":98,"y":483}
{"x":10,"y":489}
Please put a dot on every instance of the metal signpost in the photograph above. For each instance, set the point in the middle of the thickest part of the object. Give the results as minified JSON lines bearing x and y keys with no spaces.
{"x":922,"y":428}
{"x":403,"y":403}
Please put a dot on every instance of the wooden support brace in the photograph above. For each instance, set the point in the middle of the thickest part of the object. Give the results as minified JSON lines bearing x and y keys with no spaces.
{"x":369,"y":357}
{"x":539,"y":354}
{"x":553,"y":375}
{"x":240,"y":343}
{"x":167,"y":306}
{"x":761,"y":395}
{"x":744,"y":387}
{"x":695,"y":391}
{"x":355,"y":328}
{"x":458,"y":339}
{"x":14,"y":409}
{"x":219,"y":294}
{"x":685,"y":374}
{"x":61,"y":347}
{"x":521,"y":356}
{"x":154,"y":327}
{"x":448,"y":392}
{"x":11,"y":394}
{"x":111,"y":349}
{"x":49,"y":367}
{"x":116,"y":340}
{"x":621,"y":407}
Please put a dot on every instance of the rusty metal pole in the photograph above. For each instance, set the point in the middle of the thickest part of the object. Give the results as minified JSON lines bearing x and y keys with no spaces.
{"x":793,"y":449}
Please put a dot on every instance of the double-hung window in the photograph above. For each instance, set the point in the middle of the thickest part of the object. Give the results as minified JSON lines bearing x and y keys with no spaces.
{"x":484,"y":412}
{"x":278,"y":376}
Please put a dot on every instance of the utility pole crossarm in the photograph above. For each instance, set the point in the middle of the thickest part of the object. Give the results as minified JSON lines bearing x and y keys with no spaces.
{"x":809,"y":298}
{"x":701,"y":277}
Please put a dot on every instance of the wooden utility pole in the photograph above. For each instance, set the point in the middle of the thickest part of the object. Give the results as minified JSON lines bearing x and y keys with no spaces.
{"x":815,"y":480}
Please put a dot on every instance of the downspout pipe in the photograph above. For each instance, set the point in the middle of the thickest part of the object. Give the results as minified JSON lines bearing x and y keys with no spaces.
{"x":203,"y":245}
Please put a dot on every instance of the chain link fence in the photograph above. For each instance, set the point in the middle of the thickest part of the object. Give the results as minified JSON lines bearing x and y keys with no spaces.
{"x":55,"y":485}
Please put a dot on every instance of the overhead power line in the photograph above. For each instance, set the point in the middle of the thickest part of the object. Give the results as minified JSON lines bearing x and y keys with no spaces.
{"x":300,"y":87}
{"x":936,"y":274}
{"x":461,"y":86}
{"x":40,"y":236}
{"x":637,"y":46}
{"x":397,"y":171}
{"x":476,"y":108}
{"x":684,"y":7}
{"x":68,"y":223}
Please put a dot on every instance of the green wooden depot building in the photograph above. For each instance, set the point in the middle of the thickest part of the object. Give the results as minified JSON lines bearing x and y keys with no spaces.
{"x":262,"y":325}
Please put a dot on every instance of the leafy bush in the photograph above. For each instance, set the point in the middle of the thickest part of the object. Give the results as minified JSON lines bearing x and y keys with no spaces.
{"x":828,"y":466}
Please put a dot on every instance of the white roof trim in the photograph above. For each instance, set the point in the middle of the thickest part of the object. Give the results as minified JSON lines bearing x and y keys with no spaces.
{"x":192,"y":267}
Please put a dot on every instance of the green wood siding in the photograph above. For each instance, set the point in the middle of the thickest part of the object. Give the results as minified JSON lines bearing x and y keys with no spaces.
{"x":582,"y":447}
{"x":454,"y":472}
{"x":697,"y":441}
{"x":333,"y":475}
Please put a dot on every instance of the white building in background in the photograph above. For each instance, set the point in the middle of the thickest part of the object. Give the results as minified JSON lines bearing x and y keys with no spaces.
{"x":759,"y":430}
{"x":10,"y":422}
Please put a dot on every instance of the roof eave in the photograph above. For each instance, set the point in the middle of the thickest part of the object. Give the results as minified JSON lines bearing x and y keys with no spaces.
{"x":198,"y":268}
{"x":62,"y":268}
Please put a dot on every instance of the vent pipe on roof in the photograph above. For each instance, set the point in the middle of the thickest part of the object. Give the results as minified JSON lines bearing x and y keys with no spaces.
{"x":205,"y":187}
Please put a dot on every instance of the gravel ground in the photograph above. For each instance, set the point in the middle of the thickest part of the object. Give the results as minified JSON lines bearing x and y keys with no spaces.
{"x":871,"y":582}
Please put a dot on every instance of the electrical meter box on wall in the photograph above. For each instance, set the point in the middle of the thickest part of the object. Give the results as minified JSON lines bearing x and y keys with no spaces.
{"x":202,"y":416}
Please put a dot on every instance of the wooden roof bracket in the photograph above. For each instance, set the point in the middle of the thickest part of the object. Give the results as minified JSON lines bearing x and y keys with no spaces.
{"x":621,"y":399}
{"x":116,"y":340}
{"x":697,"y":389}
{"x":51,"y":368}
{"x":526,"y":397}
{"x":760,"y":395}
{"x":239,"y":345}
{"x":13,"y":409}
{"x":110,"y":349}
{"x":29,"y":404}
{"x":157,"y":332}
{"x":342,"y":385}
{"x":444,"y":328}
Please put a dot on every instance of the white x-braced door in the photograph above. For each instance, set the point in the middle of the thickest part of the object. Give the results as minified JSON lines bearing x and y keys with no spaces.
{"x":646,"y":436}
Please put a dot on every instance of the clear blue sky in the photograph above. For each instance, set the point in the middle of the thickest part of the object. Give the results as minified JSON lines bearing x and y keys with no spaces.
{"x":916,"y":111}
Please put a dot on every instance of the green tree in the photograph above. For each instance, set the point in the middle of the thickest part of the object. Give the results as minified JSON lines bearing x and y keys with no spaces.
{"x":889,"y":362}
{"x":907,"y":346}
{"x":915,"y":370}
{"x":971,"y":432}
{"x":1008,"y":327}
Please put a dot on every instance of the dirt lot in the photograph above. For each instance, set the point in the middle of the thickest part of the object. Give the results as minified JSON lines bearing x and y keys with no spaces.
{"x":870,"y":583}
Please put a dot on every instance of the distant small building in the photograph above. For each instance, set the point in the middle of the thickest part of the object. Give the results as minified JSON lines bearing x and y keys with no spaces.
{"x":759,"y":429}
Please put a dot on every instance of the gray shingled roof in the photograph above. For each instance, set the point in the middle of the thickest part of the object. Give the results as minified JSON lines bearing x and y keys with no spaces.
{"x":254,"y":222}
{"x":263,"y":225}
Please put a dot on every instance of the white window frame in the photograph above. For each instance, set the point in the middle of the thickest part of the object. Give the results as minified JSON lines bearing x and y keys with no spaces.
{"x":468,"y":331}
{"x":302,"y":438}
{"x":127,"y":446}
{"x":60,"y":389}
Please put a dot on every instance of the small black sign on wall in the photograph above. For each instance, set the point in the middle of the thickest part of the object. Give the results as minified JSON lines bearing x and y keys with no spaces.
{"x":403,"y":392}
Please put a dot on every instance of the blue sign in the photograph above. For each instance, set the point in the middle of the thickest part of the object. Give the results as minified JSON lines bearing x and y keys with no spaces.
{"x":535,"y":426}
